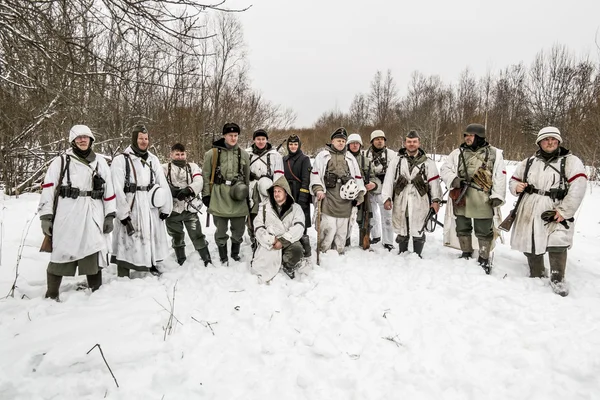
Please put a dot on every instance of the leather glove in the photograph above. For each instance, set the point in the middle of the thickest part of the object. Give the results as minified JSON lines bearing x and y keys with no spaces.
{"x":183,"y":193}
{"x":174,"y":191}
{"x":206,"y":201}
{"x":457,"y":182}
{"x":126,"y":220}
{"x":108,"y":226}
{"x":46,"y":224}
{"x":495,"y":202}
{"x":163,"y":216}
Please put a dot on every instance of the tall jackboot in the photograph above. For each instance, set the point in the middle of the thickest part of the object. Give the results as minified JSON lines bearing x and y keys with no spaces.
{"x":536,"y":265}
{"x":180,"y":254}
{"x":95,"y":281}
{"x":305,"y":241}
{"x":418,"y":244}
{"x":54,"y":282}
{"x":558,"y":264}
{"x":223,"y":255}
{"x":466,"y":245}
{"x":122,"y":272}
{"x":235,"y":251}
{"x":402,"y":243}
{"x":484,"y":255}
{"x":205,"y":255}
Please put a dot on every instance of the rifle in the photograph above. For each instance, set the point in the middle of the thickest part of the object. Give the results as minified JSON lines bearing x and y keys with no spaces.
{"x":46,"y":246}
{"x":506,"y":225}
{"x":318,"y":222}
{"x":188,"y":201}
{"x":430,"y":222}
{"x":364,"y":229}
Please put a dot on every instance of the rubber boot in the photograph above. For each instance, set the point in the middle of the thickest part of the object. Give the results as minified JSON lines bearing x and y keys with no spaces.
{"x":536,"y":265}
{"x":95,"y":281}
{"x":180,"y":255}
{"x":402,"y":243}
{"x":558,"y":264}
{"x":418,"y":244}
{"x":205,"y":255}
{"x":54,"y":282}
{"x":223,"y":255}
{"x":466,"y":245}
{"x":484,"y":255}
{"x":235,"y":251}
{"x":305,"y":241}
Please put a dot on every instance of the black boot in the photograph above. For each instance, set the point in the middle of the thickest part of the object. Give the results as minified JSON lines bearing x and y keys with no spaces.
{"x":180,"y":255}
{"x":291,"y":270}
{"x":54,"y":282}
{"x":536,"y":265}
{"x":347,"y":242}
{"x":95,"y":281}
{"x":418,"y":244}
{"x":235,"y":251}
{"x":223,"y":255}
{"x":305,"y":241}
{"x":402,"y":244}
{"x":154,"y":271}
{"x":122,"y":272}
{"x":466,"y":246}
{"x":205,"y":255}
{"x":485,"y":264}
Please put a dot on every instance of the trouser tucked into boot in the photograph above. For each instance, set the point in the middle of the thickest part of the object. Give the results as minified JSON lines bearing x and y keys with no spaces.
{"x":558,"y":263}
{"x":235,"y":251}
{"x":223,"y":254}
{"x":180,"y":254}
{"x":53,"y":286}
{"x":95,"y":281}
{"x":484,"y":255}
{"x":536,"y":265}
{"x":418,"y":244}
{"x":205,"y":255}
{"x":466,"y":245}
{"x":402,"y":243}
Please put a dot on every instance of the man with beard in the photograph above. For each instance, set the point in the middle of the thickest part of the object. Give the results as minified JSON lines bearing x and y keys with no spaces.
{"x":80,"y":214}
{"x":336,"y":180}
{"x":225,"y":192}
{"x":185,"y":182}
{"x":412,"y":186}
{"x":279,"y":226}
{"x":143,"y":204}
{"x":381,"y":157}
{"x":266,"y":166}
{"x":296,"y":166}
{"x":372,"y":183}
{"x":552,"y":183}
{"x":476,"y":173}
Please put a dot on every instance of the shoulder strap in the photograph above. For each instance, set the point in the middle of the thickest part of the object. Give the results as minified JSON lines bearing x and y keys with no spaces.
{"x":68,"y":163}
{"x":527,"y":166}
{"x":216,"y":154}
{"x":169,"y":180}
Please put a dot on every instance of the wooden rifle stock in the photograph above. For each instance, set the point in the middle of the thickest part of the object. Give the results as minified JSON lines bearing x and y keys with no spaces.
{"x":507,"y":224}
{"x":364,"y":230}
{"x":46,"y":246}
{"x":318,"y":222}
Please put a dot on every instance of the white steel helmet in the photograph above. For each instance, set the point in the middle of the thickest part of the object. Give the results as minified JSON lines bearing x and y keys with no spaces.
{"x":80,"y":130}
{"x":263,"y":185}
{"x":354,"y":138}
{"x":158,"y":196}
{"x":377,"y":133}
{"x":349,"y":190}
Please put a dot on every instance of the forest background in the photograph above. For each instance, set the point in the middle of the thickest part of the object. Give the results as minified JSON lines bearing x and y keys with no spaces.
{"x":183,"y":71}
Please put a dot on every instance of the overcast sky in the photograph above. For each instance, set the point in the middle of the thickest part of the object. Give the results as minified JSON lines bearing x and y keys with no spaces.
{"x":315,"y":55}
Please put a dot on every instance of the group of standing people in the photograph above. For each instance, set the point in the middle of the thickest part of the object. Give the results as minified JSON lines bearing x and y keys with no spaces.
{"x":388,"y":193}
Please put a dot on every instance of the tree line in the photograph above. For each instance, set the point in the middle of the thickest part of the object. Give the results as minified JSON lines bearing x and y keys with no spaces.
{"x":557,"y":89}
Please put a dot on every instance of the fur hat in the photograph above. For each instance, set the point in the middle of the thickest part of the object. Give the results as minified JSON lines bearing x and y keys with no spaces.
{"x":260,"y":132}
{"x":546,"y":132}
{"x":340,"y":133}
{"x":231,"y":127}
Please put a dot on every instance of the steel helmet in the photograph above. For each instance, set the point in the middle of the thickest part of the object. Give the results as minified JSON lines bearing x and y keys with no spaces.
{"x":349,"y":190}
{"x":239,"y":191}
{"x":158,"y":196}
{"x":376,"y":134}
{"x":263,"y":185}
{"x":354,"y":138}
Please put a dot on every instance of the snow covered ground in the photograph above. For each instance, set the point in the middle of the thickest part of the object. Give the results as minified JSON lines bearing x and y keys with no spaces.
{"x":365,"y":325}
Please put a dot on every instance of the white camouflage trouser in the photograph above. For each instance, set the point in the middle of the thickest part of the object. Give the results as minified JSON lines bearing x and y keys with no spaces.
{"x":333,"y":231}
{"x":352,"y":221}
{"x":379,"y":214}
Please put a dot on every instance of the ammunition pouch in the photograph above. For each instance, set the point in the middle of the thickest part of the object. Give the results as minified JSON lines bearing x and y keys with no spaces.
{"x":98,"y":182}
{"x":330,"y":180}
{"x":483,"y":178}
{"x":132,"y":188}
{"x":420,"y":185}
{"x":554,"y":194}
{"x":97,"y":194}
{"x":400,"y":185}
{"x":455,"y":193}
{"x":68,"y":191}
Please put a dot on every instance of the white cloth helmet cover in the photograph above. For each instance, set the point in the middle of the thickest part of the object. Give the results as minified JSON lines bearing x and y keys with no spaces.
{"x":80,"y":130}
{"x":263,"y":185}
{"x":158,"y":196}
{"x":354,"y":138}
{"x":349,"y":190}
{"x":377,"y":133}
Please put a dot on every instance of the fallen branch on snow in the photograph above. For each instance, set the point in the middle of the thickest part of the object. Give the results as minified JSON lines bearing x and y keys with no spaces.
{"x":105,"y":362}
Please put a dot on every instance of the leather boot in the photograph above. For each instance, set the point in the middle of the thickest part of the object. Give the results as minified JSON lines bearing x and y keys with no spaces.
{"x":54,"y":282}
{"x":466,"y":245}
{"x":536,"y":265}
{"x":558,"y":265}
{"x":205,"y":255}
{"x":484,"y":255}
{"x":95,"y":281}
{"x":402,"y":243}
{"x":223,"y":255}
{"x":180,"y":254}
{"x":418,"y":244}
{"x":305,"y":241}
{"x":235,"y":251}
{"x":122,"y":271}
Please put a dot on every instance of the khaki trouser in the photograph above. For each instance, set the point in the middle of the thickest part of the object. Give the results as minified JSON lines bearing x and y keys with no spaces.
{"x":87,"y":266}
{"x":484,"y":227}
{"x":175,"y":224}
{"x":237,"y":226}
